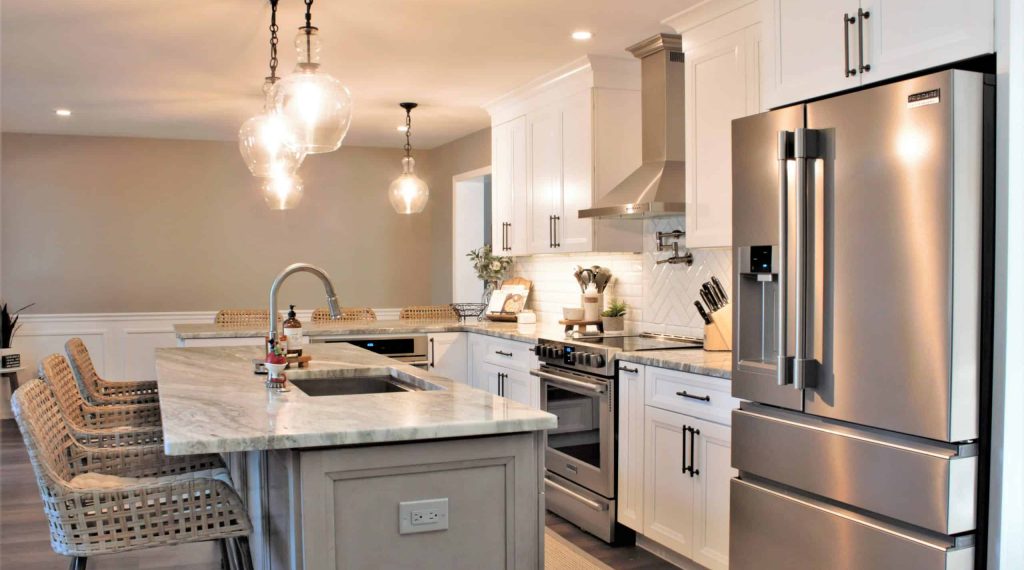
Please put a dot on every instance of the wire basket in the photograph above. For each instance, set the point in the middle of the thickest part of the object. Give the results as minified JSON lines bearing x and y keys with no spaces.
{"x":466,"y":310}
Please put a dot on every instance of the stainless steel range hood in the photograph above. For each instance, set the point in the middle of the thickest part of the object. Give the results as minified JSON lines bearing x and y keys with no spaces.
{"x":658,"y":187}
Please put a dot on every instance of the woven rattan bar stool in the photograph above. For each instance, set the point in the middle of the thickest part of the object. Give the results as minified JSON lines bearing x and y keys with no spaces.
{"x":98,"y":391}
{"x":347,"y":314}
{"x":104,"y":501}
{"x":109,"y":425}
{"x":429,"y":313}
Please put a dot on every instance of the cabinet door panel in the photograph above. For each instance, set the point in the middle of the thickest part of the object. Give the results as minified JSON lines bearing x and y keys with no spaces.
{"x":522,"y":388}
{"x":805,"y":40}
{"x":572,"y":233}
{"x":489,"y":380}
{"x":716,"y":93}
{"x":544,"y":196}
{"x":903,"y":36}
{"x":449,"y":356}
{"x":668,"y":492}
{"x":712,"y":456}
{"x":508,"y":187}
{"x":630,"y":496}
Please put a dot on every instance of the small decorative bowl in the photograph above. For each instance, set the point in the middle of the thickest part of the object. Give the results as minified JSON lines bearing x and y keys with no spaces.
{"x":572,"y":313}
{"x":275,"y":370}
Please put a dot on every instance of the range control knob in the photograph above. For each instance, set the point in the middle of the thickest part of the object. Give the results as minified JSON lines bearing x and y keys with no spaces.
{"x":548,"y":351}
{"x":598,"y":361}
{"x":538,"y":350}
{"x":558,"y":352}
{"x":586,"y":358}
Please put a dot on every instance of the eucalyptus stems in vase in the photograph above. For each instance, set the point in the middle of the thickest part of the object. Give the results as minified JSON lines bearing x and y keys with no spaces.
{"x":489,"y":268}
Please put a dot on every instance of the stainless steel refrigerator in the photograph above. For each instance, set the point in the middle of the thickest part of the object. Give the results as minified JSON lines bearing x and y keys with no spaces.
{"x":862,"y":327}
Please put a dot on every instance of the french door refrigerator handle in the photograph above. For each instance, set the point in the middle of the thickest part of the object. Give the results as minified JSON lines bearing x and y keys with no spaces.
{"x":784,"y":154}
{"x":805,"y":150}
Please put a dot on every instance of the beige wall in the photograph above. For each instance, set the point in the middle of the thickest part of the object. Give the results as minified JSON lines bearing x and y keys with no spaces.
{"x":96,"y":224}
{"x":468,"y":153}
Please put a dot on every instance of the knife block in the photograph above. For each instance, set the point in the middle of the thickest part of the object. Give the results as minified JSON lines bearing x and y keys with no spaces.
{"x":718,"y":335}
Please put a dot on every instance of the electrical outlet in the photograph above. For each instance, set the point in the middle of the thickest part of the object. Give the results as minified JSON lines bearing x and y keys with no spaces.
{"x":422,"y":516}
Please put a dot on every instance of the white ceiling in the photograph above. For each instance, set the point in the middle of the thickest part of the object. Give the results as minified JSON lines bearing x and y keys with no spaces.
{"x":193,"y":69}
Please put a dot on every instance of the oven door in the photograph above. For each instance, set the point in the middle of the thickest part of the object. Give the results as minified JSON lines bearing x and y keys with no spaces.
{"x":582,"y":447}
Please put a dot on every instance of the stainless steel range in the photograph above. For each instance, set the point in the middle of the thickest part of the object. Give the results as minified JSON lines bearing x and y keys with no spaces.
{"x":578,"y":384}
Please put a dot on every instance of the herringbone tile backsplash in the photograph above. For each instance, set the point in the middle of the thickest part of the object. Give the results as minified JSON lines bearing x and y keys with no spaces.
{"x":660,"y":297}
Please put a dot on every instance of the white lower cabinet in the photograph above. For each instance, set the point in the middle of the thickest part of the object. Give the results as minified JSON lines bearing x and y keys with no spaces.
{"x":447,"y":355}
{"x":502,"y":367}
{"x":674,"y":468}
{"x":630,"y":496}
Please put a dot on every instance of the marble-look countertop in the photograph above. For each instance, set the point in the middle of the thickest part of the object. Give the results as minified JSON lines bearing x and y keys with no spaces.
{"x":717,"y":364}
{"x":511,"y":331}
{"x":211,"y":402}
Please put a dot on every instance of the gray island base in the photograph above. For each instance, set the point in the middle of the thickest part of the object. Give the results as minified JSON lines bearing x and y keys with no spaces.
{"x":440,"y":476}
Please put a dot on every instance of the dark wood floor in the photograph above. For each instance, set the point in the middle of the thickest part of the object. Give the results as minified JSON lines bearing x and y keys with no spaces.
{"x":24,"y":538}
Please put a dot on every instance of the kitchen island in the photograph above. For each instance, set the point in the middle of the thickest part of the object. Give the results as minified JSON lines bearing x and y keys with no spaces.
{"x":328,"y":479}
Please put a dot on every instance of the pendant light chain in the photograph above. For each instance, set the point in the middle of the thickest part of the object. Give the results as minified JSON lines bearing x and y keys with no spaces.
{"x":408,"y":132}
{"x":273,"y":41}
{"x":309,"y":29}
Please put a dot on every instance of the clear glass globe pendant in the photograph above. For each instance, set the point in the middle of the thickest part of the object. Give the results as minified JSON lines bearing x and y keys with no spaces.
{"x":269,"y":143}
{"x":316,"y":103}
{"x":408,"y":193}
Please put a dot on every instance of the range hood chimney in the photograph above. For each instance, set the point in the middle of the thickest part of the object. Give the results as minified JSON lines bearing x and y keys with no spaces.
{"x":658,"y":187}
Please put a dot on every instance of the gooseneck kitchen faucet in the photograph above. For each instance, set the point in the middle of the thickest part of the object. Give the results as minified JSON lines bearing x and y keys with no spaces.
{"x":332,"y":299}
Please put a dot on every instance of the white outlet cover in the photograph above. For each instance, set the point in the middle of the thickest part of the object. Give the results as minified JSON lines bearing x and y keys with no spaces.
{"x":428,"y":515}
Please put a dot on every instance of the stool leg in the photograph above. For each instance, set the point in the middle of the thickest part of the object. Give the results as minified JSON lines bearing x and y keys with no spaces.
{"x":225,"y":559}
{"x":244,"y":553}
{"x":78,"y":563}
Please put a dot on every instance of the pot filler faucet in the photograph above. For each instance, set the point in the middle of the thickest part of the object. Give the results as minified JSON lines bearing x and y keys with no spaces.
{"x":332,"y":299}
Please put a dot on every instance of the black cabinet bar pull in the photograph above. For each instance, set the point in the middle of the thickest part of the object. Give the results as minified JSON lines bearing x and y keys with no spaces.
{"x":630,"y":370}
{"x":860,"y":39}
{"x":686,"y":394}
{"x":431,"y":352}
{"x":502,"y":353}
{"x":685,"y":430}
{"x":693,"y":470}
{"x":554,"y":233}
{"x":847,"y":22}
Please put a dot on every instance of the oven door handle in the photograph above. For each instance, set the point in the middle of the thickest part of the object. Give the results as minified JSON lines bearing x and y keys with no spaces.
{"x":554,"y":378}
{"x":588,"y":502}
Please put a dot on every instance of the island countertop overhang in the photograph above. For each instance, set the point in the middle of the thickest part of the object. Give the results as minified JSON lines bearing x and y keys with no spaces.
{"x":212,"y":402}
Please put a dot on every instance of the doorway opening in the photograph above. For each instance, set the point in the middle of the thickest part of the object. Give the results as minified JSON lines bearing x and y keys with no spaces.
{"x":471,"y":229}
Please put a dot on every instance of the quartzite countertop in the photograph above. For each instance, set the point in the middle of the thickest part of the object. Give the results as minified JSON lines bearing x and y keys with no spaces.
{"x":212,"y":402}
{"x":717,"y":364}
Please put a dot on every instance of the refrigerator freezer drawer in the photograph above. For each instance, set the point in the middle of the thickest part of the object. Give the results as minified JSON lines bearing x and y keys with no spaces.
{"x":774,"y":529}
{"x":923,"y":483}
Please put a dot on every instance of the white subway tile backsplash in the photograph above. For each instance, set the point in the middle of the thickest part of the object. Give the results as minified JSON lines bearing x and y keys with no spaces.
{"x":660,"y":297}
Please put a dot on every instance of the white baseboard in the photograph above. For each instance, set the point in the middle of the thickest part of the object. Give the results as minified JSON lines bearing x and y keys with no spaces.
{"x":121,"y":344}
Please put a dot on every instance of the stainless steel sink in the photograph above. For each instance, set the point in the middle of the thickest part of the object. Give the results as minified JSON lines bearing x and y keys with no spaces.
{"x":349,"y":385}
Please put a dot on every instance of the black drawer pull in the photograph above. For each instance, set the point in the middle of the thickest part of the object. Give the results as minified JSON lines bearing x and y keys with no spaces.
{"x":686,"y":394}
{"x":630,"y":370}
{"x":502,"y":353}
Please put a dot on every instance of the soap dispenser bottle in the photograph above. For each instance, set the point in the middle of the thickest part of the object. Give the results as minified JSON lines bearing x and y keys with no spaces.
{"x":293,"y":330}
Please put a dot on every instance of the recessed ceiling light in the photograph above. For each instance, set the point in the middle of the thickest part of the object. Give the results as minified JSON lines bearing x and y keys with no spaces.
{"x":63,"y":112}
{"x":402,"y":128}
{"x":582,"y":35}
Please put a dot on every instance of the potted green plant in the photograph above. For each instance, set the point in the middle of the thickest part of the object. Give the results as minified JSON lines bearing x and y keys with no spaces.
{"x":614,"y":317}
{"x":9,"y":357}
{"x":489,"y":268}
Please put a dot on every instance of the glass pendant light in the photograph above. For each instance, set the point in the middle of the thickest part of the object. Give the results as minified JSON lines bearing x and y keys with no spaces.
{"x":408,"y":193}
{"x":318,"y":104}
{"x":269,"y":143}
{"x":282,"y":191}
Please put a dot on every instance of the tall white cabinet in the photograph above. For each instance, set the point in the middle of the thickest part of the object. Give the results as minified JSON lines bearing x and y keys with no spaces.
{"x":721,"y":42}
{"x":557,"y":145}
{"x":813,"y":48}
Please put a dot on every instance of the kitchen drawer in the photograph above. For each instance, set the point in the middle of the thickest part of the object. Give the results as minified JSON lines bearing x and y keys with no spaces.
{"x":921,"y":482}
{"x":509,"y":354}
{"x":705,"y":397}
{"x":775,"y":529}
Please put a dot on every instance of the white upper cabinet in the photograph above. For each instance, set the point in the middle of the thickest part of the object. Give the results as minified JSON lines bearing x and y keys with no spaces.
{"x":904,"y":36}
{"x":581,"y":137}
{"x":722,"y":83}
{"x":813,"y":48}
{"x":508,"y":187}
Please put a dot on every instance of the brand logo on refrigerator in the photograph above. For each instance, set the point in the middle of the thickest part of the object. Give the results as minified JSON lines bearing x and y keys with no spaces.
{"x":923,"y":98}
